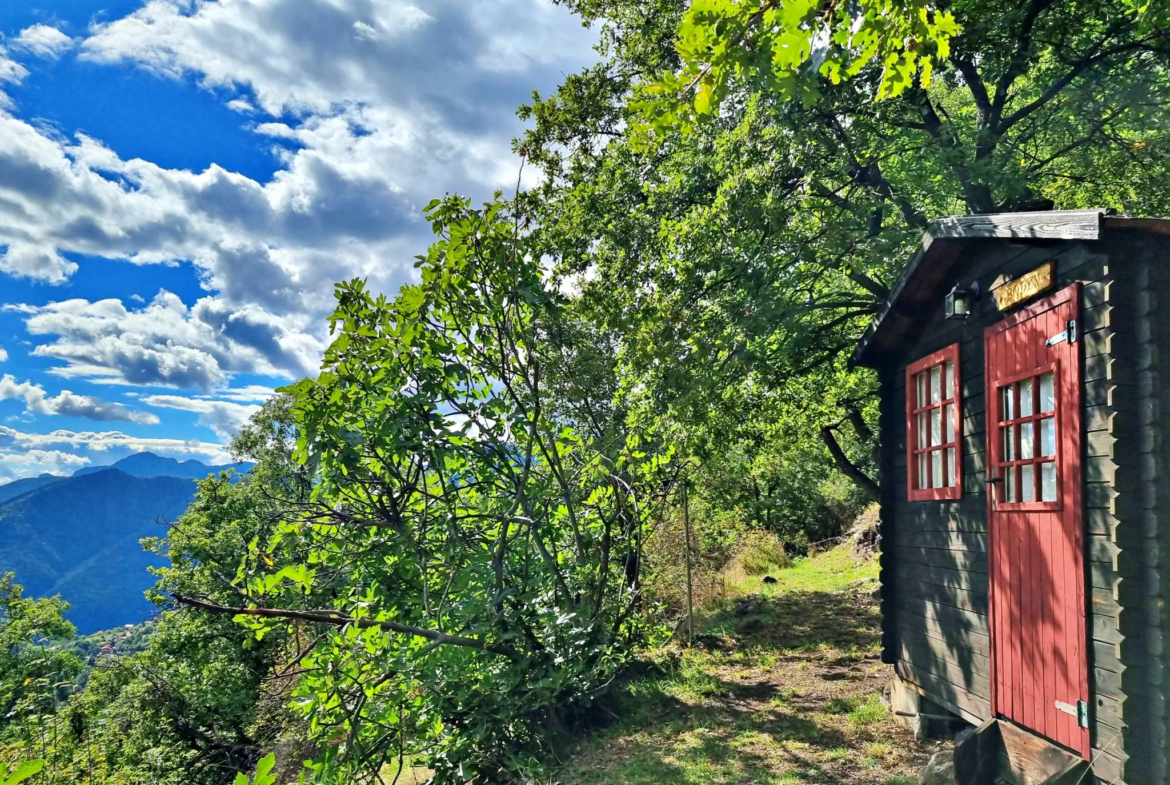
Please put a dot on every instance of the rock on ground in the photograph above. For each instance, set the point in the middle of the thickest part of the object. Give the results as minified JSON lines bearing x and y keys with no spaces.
{"x":939,"y":771}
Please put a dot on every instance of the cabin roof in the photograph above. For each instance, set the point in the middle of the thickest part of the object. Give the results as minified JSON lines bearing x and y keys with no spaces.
{"x":933,"y":266}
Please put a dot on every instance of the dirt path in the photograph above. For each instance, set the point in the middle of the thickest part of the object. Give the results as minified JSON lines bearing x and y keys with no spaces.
{"x":785,"y":691}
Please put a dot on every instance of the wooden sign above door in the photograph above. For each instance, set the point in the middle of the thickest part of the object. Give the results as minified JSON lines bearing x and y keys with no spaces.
{"x":1025,"y":287}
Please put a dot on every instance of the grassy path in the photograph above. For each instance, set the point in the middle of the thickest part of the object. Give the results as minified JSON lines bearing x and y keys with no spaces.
{"x":784,"y":691}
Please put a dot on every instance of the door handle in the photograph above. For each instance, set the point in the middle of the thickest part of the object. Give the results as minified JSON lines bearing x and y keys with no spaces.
{"x":992,"y":481}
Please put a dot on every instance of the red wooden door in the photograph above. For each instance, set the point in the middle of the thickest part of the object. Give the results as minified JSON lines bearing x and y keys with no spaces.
{"x":1039,"y":665}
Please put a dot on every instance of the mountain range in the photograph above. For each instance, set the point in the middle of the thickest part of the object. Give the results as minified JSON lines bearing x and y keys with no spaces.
{"x":78,"y":536}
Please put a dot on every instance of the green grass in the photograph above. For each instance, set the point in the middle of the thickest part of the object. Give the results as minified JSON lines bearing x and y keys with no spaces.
{"x":833,"y":571}
{"x":784,"y":696}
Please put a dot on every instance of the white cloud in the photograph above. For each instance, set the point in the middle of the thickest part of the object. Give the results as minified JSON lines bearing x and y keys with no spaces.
{"x":253,"y":393}
{"x":66,"y":403}
{"x":3,"y":355}
{"x":107,"y":441}
{"x":223,"y":417}
{"x":11,"y":72}
{"x":373,"y":107}
{"x":241,"y":105}
{"x":43,"y":41}
{"x":29,"y":454}
{"x":167,"y":343}
{"x":37,"y":261}
{"x":30,"y":463}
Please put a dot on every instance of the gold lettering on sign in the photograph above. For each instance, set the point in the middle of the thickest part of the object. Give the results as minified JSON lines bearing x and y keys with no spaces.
{"x":1027,"y":285}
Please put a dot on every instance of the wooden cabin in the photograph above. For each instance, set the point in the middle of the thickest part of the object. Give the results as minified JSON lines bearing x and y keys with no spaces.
{"x":1024,"y":366}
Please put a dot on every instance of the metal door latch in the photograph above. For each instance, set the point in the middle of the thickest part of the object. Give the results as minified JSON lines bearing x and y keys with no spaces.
{"x":1080,"y":711}
{"x":1069,"y":333}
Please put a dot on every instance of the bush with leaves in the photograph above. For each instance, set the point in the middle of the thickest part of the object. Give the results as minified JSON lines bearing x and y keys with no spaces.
{"x":479,"y":514}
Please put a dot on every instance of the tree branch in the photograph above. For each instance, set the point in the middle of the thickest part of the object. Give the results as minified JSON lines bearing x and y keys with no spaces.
{"x":847,"y":467}
{"x":337,"y":619}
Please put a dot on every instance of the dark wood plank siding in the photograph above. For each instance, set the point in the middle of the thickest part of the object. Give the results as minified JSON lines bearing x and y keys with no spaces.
{"x":934,"y":563}
{"x":1139,"y":391}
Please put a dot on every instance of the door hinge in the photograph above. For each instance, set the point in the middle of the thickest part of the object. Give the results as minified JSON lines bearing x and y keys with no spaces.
{"x":1080,"y":711}
{"x":1069,"y":333}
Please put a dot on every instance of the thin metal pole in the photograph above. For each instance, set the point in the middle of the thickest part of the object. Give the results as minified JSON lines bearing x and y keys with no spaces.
{"x":690,"y":589}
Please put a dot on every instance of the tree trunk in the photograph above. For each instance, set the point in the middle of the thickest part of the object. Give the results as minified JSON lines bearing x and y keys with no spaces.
{"x":864,"y":481}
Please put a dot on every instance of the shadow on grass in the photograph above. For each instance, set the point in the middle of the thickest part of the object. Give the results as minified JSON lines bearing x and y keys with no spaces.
{"x":689,"y":720}
{"x":804,"y":620}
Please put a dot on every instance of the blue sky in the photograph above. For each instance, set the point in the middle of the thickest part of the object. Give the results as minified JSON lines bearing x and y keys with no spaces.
{"x":182,"y":181}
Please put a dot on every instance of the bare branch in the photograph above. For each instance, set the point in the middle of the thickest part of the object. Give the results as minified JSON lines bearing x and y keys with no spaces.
{"x":338,"y":619}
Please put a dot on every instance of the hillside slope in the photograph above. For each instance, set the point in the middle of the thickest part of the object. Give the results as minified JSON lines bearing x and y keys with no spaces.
{"x":78,"y":537}
{"x":20,"y":487}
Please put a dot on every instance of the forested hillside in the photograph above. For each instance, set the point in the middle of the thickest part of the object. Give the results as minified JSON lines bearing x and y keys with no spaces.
{"x":78,"y":537}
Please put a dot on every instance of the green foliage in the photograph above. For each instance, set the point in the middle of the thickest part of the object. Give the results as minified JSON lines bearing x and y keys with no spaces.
{"x":740,"y":261}
{"x":191,"y":698}
{"x":760,"y":551}
{"x":790,"y":46}
{"x":21,"y":773}
{"x":264,"y":775}
{"x":36,"y":668}
{"x":481,"y":536}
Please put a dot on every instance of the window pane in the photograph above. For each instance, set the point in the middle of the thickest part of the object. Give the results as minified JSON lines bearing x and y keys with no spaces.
{"x":936,"y":473}
{"x":920,"y":381}
{"x":1009,"y":484}
{"x":1026,"y":398}
{"x":1048,"y":482}
{"x":1047,"y":393}
{"x":1047,"y":437}
{"x":950,"y":433}
{"x":1009,"y":443}
{"x":950,"y":388}
{"x":950,"y":467}
{"x":1007,"y":403}
{"x":1026,"y":439}
{"x":935,"y":427}
{"x":936,"y":384}
{"x":922,"y":430}
{"x":1027,"y":483}
{"x":922,"y":476}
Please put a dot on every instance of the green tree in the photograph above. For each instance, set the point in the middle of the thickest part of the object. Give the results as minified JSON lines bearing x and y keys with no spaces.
{"x":205,"y":699}
{"x":480,"y":512}
{"x":746,"y":250}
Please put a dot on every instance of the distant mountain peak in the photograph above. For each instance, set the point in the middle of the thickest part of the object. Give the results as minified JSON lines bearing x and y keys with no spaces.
{"x":147,"y":464}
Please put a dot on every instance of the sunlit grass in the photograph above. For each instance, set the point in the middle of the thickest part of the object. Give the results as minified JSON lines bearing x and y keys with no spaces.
{"x":783,"y":695}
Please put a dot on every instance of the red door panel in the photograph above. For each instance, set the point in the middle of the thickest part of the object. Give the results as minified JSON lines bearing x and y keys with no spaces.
{"x":1037,"y":597}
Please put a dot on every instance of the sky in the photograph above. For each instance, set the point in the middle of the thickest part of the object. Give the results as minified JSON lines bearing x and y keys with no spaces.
{"x":183,"y":181}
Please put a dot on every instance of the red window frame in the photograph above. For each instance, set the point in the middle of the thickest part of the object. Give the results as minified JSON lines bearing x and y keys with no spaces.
{"x":1010,"y":419}
{"x":919,"y":415}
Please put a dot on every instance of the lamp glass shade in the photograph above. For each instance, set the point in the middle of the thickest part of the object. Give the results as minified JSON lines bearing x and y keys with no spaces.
{"x":958,"y":303}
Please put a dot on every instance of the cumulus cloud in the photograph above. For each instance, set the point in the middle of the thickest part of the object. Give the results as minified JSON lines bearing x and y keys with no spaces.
{"x":373,"y":107}
{"x":37,"y":261}
{"x":66,"y":403}
{"x":223,"y":417}
{"x":29,"y":454}
{"x":106,"y":441}
{"x":241,"y":105}
{"x":167,"y":343}
{"x":3,"y":355}
{"x":30,"y":463}
{"x":43,"y":41}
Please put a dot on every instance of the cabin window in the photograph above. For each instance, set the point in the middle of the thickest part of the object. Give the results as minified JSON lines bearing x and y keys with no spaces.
{"x":1027,"y":454}
{"x":933,"y":425}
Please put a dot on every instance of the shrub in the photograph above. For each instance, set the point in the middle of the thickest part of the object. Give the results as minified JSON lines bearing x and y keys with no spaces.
{"x":759,"y":551}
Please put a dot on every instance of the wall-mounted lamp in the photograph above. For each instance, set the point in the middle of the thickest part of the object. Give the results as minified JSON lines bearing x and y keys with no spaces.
{"x":961,"y":300}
